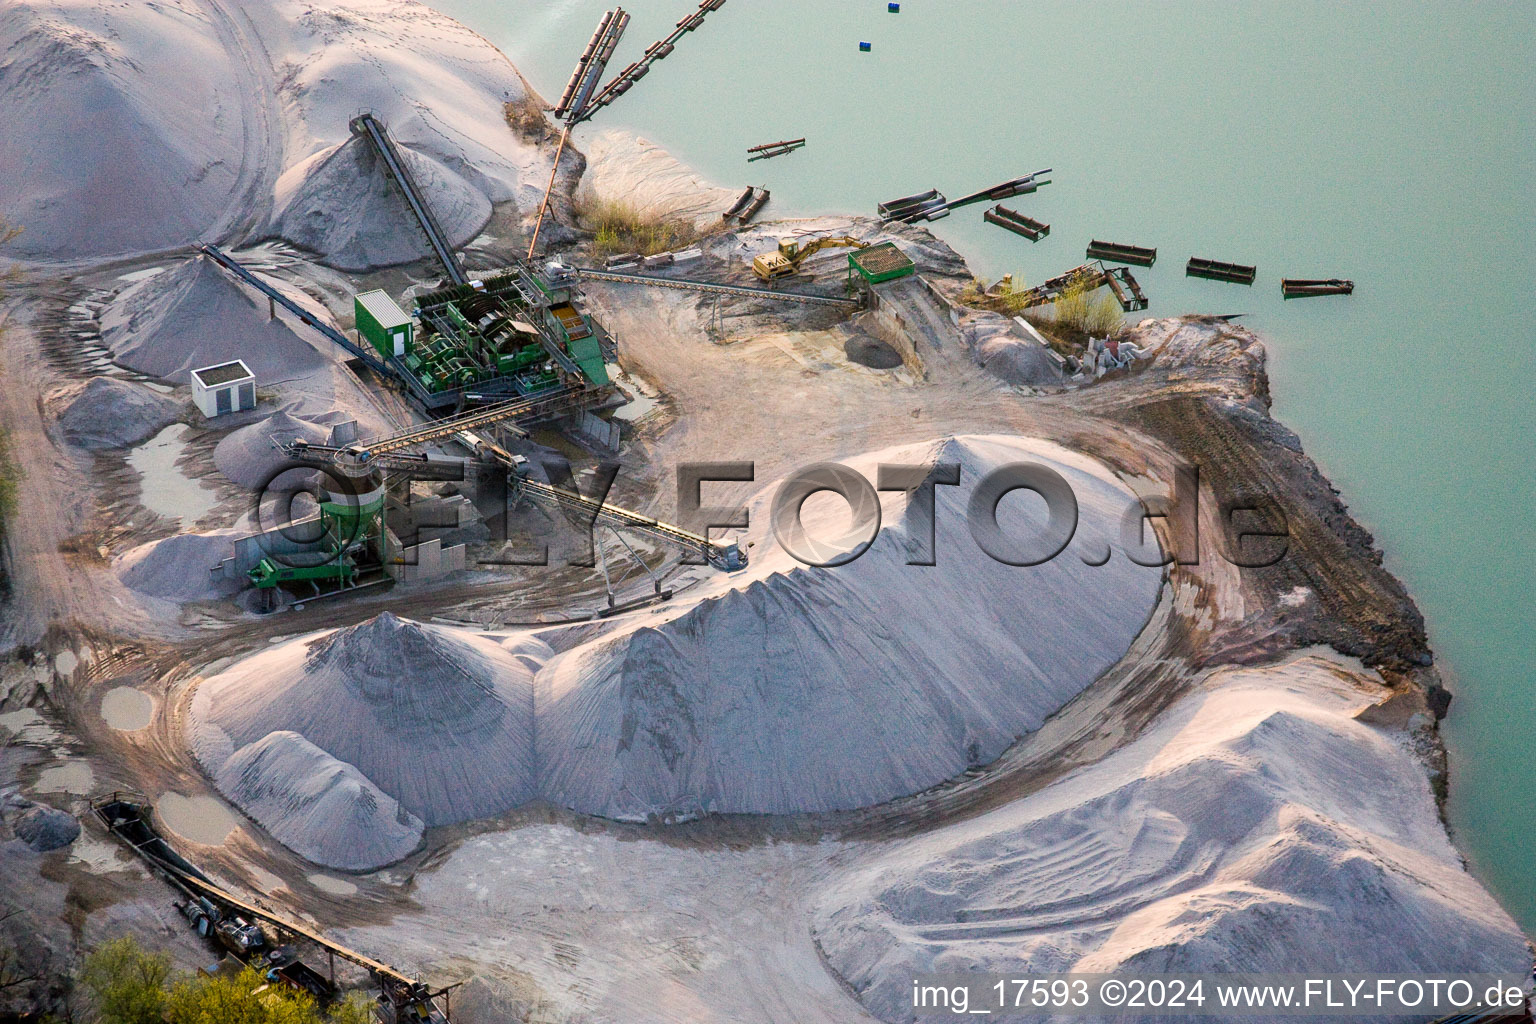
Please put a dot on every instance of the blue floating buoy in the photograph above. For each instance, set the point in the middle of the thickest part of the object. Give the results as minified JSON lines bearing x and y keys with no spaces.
{"x":893,"y":8}
{"x":864,"y":47}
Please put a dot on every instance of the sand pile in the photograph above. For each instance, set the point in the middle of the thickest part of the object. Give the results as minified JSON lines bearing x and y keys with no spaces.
{"x":804,"y":689}
{"x":46,"y":828}
{"x":624,"y":168}
{"x":323,"y":810}
{"x":1255,"y":827}
{"x":438,"y":86}
{"x":147,"y":126}
{"x":341,"y":205}
{"x":778,"y":690}
{"x":439,"y":720}
{"x":247,"y":456}
{"x":113,"y":413}
{"x":1001,"y":347}
{"x":196,"y":315}
{"x":180,"y":568}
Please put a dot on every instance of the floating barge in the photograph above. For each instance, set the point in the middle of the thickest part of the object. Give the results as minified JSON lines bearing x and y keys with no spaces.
{"x":747,"y":206}
{"x":773,"y":149}
{"x":931,"y":205}
{"x":1016,"y":222}
{"x":1215,"y":270}
{"x":1125,"y":288}
{"x":1300,"y":288}
{"x":1115,"y":252}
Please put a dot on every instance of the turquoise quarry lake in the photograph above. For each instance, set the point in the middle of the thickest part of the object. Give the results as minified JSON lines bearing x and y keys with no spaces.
{"x":1394,"y":144}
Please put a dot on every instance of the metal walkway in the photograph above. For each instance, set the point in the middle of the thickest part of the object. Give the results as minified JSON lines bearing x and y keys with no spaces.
{"x":369,"y":126}
{"x":688,"y":284}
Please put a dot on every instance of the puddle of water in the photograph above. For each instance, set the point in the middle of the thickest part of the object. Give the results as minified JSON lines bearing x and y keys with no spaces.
{"x":334,"y":886}
{"x":127,"y":709}
{"x":266,"y":880}
{"x":25,"y":725}
{"x":162,"y":488}
{"x":645,"y":396}
{"x":199,"y":819}
{"x":73,"y":777}
{"x":96,"y":854}
{"x":16,"y":721}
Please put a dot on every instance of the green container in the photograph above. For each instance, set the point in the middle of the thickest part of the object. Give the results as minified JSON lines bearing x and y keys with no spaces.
{"x":879,"y":263}
{"x":383,"y":323}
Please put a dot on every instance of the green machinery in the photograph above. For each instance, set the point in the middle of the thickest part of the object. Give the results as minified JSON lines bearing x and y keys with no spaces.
{"x":351,"y":535}
{"x":512,"y":334}
{"x":877,"y":264}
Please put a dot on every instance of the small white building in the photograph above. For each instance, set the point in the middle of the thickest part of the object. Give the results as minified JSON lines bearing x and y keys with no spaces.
{"x":225,"y":388}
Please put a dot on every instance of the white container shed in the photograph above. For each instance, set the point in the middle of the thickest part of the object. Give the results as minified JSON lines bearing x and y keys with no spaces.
{"x":225,"y":388}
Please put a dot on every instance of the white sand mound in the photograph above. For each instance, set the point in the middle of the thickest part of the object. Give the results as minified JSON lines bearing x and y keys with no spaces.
{"x":437,"y":719}
{"x":624,"y":168}
{"x":113,"y":413}
{"x":793,"y":688}
{"x":323,"y":810}
{"x":196,"y":315}
{"x":438,"y":86}
{"x":179,"y":568}
{"x":341,"y":205}
{"x":136,"y":127}
{"x":1256,"y":827}
{"x":247,"y":456}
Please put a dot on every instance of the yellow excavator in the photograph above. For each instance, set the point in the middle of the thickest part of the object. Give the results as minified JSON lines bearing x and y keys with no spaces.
{"x":771,"y":266}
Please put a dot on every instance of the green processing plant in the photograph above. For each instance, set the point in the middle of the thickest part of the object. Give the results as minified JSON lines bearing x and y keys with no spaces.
{"x":512,"y":334}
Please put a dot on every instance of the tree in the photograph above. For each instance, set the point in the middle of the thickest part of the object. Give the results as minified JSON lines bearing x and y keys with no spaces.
{"x":127,"y":983}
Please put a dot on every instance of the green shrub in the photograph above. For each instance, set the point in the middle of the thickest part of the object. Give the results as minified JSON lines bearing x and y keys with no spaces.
{"x":130,"y":986}
{"x":619,"y":227}
{"x":126,"y":983}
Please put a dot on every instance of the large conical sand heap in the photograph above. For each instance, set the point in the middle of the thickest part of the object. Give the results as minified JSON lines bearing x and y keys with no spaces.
{"x":119,"y":170}
{"x":341,"y":205}
{"x":439,"y":720}
{"x":791,"y":688}
{"x":196,"y":315}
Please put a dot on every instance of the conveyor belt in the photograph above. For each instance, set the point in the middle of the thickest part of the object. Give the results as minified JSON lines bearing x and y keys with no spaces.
{"x":368,"y":358}
{"x":363,"y":451}
{"x":612,"y":515}
{"x":658,"y":50}
{"x":401,"y":176}
{"x":194,"y":881}
{"x":688,"y":284}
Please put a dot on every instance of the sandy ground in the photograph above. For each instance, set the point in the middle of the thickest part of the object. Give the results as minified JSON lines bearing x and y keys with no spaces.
{"x":577,"y":917}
